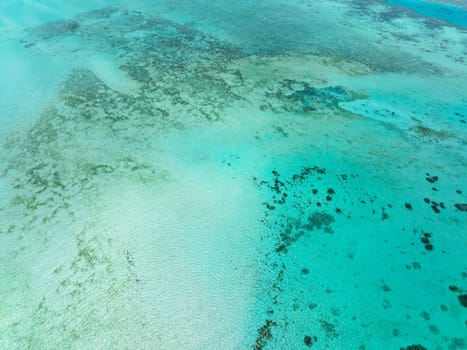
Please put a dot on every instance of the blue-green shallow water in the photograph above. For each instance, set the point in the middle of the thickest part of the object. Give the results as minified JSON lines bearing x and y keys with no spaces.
{"x":246,"y":175}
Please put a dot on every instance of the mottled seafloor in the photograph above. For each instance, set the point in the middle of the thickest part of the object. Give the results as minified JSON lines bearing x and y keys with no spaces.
{"x":233,"y":175}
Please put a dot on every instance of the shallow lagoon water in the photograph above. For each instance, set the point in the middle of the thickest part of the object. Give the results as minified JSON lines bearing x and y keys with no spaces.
{"x":232,"y":175}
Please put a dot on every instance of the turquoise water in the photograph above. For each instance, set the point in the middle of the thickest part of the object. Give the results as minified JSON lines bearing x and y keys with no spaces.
{"x":232,"y":175}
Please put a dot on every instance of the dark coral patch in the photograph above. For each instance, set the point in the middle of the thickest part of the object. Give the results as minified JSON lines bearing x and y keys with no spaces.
{"x":414,"y":347}
{"x":309,"y":340}
{"x":318,"y":220}
{"x":264,"y":334}
{"x":432,"y":179}
{"x":463,"y":299}
{"x":461,"y":206}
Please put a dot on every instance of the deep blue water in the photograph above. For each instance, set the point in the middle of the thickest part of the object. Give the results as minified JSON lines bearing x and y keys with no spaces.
{"x":452,"y":14}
